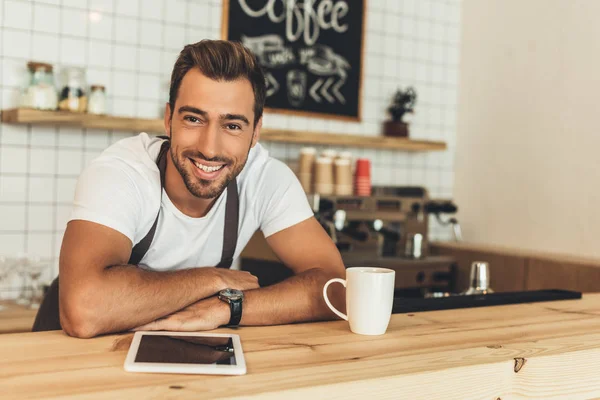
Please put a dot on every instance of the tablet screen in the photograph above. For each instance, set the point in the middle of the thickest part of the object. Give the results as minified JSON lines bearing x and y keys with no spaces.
{"x":185,"y":350}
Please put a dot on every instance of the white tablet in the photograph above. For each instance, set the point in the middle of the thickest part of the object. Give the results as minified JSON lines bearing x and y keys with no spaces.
{"x":186,"y":353}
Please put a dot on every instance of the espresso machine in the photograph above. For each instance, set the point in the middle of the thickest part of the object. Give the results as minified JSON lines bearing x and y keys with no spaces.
{"x":393,"y":222}
{"x":389,"y":229}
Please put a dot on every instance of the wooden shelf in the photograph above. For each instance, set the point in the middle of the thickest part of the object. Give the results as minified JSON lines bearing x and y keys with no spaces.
{"x":344,"y":140}
{"x":91,"y":121}
{"x":28,"y":116}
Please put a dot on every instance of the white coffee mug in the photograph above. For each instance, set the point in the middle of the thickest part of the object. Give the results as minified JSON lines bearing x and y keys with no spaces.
{"x":369,"y":298}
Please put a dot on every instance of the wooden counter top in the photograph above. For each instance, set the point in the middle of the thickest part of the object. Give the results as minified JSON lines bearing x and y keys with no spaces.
{"x":15,"y":318}
{"x":537,"y":350}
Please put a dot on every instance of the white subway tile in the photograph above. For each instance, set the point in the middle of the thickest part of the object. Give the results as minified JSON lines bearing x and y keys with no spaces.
{"x":124,"y":107}
{"x":13,"y":188}
{"x":175,"y":12}
{"x":148,"y":109}
{"x":125,"y":57}
{"x":41,"y":189}
{"x":453,"y":34}
{"x":151,"y":33}
{"x":101,"y":5}
{"x":89,"y":156}
{"x":215,"y":16}
{"x":14,"y":134}
{"x":124,"y":84}
{"x":65,"y":189}
{"x":152,"y":9}
{"x":73,"y":52}
{"x":454,"y":13}
{"x":42,"y":135}
{"x":16,"y":43}
{"x":99,"y":76}
{"x":194,"y":35}
{"x":13,"y":159}
{"x":423,"y":52}
{"x":128,"y":7}
{"x":167,"y":61}
{"x":453,"y":55}
{"x":45,"y":47}
{"x":12,"y":217}
{"x":408,"y":28}
{"x":53,"y":2}
{"x":75,"y":4}
{"x":391,"y":24}
{"x":14,"y":73}
{"x":389,"y":67}
{"x":126,"y":30}
{"x":174,"y":37}
{"x":40,"y":245}
{"x":374,"y":21}
{"x":17,"y":14}
{"x":70,"y":137}
{"x":149,"y":60}
{"x":198,"y":17}
{"x":63,"y":215}
{"x":100,"y":54}
{"x":69,"y":162}
{"x":447,"y":178}
{"x":148,"y":87}
{"x":101,"y":27}
{"x":74,"y":22}
{"x":96,"y":139}
{"x":42,"y":161}
{"x":40,"y":217}
{"x":11,"y":243}
{"x":432,"y":178}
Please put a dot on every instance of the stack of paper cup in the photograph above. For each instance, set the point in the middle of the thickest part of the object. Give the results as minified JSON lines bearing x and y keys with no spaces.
{"x":305,"y":170}
{"x":362,"y":177}
{"x":345,"y":154}
{"x":324,"y":175}
{"x":329,"y":154}
{"x":343,"y":177}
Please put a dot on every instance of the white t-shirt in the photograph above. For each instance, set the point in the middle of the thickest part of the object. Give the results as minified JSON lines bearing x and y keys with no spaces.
{"x":121,"y":189}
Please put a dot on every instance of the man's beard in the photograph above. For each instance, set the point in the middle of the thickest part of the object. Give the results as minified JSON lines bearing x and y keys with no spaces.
{"x":202,"y":188}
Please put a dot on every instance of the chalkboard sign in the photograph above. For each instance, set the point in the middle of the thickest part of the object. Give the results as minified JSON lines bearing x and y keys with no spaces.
{"x":311,"y":52}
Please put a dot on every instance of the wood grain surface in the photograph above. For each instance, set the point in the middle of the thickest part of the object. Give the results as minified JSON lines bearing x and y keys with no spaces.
{"x":15,"y":318}
{"x":529,"y":351}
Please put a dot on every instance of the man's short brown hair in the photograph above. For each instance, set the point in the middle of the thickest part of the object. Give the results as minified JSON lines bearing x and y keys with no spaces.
{"x":220,"y":60}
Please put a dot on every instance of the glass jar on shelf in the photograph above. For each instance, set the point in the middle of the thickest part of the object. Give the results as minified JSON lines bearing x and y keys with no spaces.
{"x":97,"y":102}
{"x":73,"y":96}
{"x":41,"y":92}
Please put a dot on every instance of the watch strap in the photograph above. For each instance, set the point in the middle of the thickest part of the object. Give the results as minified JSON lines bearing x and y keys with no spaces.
{"x":236,"y":312}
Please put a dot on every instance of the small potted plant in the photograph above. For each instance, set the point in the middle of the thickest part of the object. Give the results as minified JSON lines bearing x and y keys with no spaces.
{"x":402,"y":103}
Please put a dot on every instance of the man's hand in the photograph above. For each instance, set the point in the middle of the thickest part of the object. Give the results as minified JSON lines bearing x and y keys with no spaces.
{"x":233,"y":279}
{"x":203,"y":315}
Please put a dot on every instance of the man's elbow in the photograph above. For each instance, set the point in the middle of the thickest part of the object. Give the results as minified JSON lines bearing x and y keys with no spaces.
{"x":78,"y":318}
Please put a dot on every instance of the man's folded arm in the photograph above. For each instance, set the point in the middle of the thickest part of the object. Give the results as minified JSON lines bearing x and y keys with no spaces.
{"x":100,"y":293}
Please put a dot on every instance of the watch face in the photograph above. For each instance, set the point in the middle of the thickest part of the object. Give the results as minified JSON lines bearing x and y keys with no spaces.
{"x":232,"y":294}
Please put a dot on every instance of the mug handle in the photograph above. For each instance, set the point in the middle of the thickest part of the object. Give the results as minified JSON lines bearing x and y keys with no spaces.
{"x":331,"y":307}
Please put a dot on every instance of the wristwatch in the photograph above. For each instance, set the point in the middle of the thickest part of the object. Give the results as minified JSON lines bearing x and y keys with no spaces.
{"x":234,"y":298}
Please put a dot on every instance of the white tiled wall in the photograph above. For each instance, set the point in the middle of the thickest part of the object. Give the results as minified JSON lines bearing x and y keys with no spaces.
{"x":130,"y":46}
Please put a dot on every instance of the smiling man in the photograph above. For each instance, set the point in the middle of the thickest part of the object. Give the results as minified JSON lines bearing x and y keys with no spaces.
{"x":157,"y":222}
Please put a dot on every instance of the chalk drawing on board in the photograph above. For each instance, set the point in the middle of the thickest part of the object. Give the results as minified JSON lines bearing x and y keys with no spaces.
{"x":313,"y":90}
{"x":336,"y":90}
{"x":296,"y":87}
{"x":323,"y":61}
{"x":270,"y":50}
{"x":272,"y":84}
